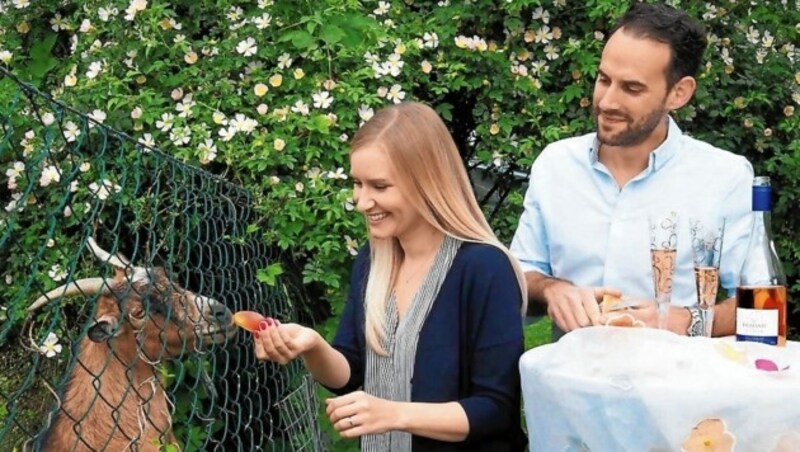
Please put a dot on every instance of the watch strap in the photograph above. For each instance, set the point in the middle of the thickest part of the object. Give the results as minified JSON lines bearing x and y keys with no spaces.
{"x":696,"y":326}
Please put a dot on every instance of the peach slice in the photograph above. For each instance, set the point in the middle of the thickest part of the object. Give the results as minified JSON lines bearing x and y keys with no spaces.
{"x":626,"y":320}
{"x":611,"y":303}
{"x":248,"y":320}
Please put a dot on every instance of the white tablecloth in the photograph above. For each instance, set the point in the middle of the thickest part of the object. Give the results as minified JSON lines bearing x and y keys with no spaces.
{"x":617,"y":389}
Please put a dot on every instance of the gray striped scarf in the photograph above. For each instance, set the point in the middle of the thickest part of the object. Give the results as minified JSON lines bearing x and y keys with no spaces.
{"x":389,"y":377}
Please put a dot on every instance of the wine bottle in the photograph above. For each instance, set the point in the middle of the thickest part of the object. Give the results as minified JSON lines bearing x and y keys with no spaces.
{"x":761,"y":301}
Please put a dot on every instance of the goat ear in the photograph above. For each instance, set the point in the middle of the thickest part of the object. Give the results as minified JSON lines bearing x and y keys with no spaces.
{"x":101,"y":331}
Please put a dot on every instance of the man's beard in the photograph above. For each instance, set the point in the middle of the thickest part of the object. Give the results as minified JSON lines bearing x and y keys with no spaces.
{"x":634,"y":132}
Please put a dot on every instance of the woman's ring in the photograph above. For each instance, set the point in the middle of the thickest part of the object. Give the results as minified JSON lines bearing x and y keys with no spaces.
{"x":350,"y":420}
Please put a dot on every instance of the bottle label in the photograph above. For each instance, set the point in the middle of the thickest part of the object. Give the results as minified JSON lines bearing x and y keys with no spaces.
{"x":757,"y":325}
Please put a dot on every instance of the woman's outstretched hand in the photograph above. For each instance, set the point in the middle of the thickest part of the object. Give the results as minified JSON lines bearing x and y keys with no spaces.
{"x":282,"y":343}
{"x":359,"y":413}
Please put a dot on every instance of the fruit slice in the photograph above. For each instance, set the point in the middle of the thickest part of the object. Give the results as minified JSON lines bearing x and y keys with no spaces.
{"x":767,"y":365}
{"x":626,"y":320}
{"x":611,"y":303}
{"x":731,"y":352}
{"x":248,"y":320}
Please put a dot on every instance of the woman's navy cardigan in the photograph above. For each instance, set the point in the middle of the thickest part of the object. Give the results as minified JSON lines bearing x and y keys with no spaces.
{"x":468,"y":350}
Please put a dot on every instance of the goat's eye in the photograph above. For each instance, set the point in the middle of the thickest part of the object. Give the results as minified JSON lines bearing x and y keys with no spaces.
{"x":153,"y":304}
{"x":159,"y":307}
{"x":149,"y":300}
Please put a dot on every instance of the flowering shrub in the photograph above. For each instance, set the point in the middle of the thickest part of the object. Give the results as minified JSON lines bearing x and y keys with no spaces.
{"x":267,"y":94}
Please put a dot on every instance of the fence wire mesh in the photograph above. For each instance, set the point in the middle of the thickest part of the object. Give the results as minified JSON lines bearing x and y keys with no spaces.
{"x":120,"y":268}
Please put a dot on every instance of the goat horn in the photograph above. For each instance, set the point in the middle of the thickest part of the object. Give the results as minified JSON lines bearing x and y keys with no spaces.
{"x":86,"y":286}
{"x":116,"y":260}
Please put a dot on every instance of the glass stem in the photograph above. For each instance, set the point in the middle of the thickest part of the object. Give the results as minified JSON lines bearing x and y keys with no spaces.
{"x":663,"y":303}
{"x":708,"y":320}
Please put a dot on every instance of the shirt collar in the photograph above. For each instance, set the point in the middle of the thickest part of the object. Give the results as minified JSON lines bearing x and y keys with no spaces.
{"x":659,"y":156}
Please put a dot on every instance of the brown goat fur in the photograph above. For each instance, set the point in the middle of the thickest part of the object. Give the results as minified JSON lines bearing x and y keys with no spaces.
{"x":114,"y":399}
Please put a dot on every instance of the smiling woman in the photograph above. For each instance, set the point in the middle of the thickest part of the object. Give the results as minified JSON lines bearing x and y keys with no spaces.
{"x":427,"y":348}
{"x":377,"y":195}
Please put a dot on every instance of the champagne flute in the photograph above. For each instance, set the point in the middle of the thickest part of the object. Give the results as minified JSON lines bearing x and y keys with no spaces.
{"x":663,"y":251}
{"x":707,"y":238}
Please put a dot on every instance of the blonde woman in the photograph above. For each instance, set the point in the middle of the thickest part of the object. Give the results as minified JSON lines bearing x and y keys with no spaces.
{"x":427,"y":348}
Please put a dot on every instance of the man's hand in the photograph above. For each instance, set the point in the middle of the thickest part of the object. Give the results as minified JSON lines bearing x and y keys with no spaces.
{"x":572,"y":307}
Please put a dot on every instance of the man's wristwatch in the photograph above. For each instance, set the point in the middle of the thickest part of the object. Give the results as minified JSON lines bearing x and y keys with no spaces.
{"x":696,"y":324}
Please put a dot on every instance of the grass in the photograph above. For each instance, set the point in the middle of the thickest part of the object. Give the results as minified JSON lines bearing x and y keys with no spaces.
{"x":537,"y":332}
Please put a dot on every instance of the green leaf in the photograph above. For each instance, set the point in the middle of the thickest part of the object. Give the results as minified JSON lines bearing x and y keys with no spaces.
{"x":41,"y":49}
{"x":7,"y":91}
{"x":355,"y":28}
{"x":270,"y":274}
{"x":300,"y":39}
{"x":445,"y":110}
{"x":331,"y":34}
{"x":320,"y":123}
{"x":571,"y":93}
{"x":352,"y":37}
{"x":42,"y":61}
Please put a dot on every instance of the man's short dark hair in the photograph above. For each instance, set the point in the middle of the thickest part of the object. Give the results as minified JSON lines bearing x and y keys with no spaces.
{"x":685,"y":37}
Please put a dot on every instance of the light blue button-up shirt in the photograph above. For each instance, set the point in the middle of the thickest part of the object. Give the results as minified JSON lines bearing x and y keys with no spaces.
{"x":580,"y":226}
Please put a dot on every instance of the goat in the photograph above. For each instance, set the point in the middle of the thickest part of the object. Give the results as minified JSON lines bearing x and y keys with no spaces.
{"x":113,"y":398}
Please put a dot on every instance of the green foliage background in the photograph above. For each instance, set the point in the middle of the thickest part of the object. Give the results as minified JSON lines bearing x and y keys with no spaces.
{"x":245,"y":86}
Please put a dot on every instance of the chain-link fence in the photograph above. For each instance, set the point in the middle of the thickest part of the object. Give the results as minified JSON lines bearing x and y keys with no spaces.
{"x":120,"y":268}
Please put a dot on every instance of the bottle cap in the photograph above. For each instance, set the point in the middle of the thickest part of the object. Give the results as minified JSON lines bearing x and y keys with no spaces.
{"x":762,"y":194}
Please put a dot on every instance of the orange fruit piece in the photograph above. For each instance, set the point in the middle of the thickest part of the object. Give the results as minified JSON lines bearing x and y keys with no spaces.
{"x":626,"y":320}
{"x":611,"y":303}
{"x":248,"y":320}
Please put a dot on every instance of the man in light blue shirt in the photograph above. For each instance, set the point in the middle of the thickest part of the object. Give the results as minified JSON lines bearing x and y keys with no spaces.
{"x":584,"y":231}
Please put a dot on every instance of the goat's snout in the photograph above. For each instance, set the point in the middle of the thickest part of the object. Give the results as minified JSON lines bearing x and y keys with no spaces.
{"x":219,"y":314}
{"x":216,"y":319}
{"x":104,"y":328}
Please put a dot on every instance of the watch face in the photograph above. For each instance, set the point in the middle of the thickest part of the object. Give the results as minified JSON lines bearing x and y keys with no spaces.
{"x":696,"y":327}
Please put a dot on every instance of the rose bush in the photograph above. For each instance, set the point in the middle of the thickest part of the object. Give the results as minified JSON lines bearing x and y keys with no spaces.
{"x":267,"y":95}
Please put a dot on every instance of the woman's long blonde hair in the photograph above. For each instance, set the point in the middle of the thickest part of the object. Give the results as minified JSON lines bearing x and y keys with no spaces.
{"x":431,"y":176}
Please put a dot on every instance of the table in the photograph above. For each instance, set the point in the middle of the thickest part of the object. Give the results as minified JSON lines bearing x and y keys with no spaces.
{"x":639,"y":389}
